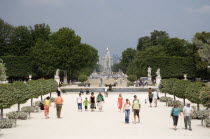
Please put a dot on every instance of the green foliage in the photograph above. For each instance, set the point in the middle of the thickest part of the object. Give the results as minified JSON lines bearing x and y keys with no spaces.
{"x":7,"y":123}
{"x":3,"y":69}
{"x":143,"y":43}
{"x":170,"y":67}
{"x":6,"y":31}
{"x":17,"y":115}
{"x":130,"y":84}
{"x":180,"y":87}
{"x":17,"y":67}
{"x":82,"y":78}
{"x":22,"y":92}
{"x":169,"y":86}
{"x":116,"y":67}
{"x":193,"y":92}
{"x":165,"y":99}
{"x":159,"y":37}
{"x":132,"y":78}
{"x":127,"y":56}
{"x":205,"y":96}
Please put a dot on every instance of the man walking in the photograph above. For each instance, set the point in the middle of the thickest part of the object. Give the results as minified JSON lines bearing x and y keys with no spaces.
{"x":100,"y":100}
{"x":187,"y":112}
{"x":155,"y":97}
{"x":59,"y":103}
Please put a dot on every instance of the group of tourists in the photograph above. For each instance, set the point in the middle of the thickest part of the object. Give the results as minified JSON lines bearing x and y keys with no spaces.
{"x":126,"y":106}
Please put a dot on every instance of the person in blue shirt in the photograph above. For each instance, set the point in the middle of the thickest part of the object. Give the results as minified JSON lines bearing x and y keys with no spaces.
{"x":175,"y":112}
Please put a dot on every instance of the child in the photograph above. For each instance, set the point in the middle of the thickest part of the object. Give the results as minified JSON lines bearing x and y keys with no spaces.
{"x":86,"y":104}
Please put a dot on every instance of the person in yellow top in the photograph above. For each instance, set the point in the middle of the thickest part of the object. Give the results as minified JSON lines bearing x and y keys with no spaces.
{"x":136,"y":109}
{"x":46,"y":107}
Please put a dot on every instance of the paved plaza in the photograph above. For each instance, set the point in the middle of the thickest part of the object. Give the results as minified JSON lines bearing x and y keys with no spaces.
{"x":109,"y":124}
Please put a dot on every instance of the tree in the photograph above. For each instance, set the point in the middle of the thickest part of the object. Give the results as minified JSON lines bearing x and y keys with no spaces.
{"x":202,"y":42}
{"x":175,"y":47}
{"x":21,"y":42}
{"x":179,"y":89}
{"x":116,"y":67}
{"x":6,"y":31}
{"x":127,"y":56}
{"x":6,"y":97}
{"x":132,"y":78}
{"x":143,"y":43}
{"x":169,"y":87}
{"x":205,"y":96}
{"x":82,"y":78}
{"x":193,"y":92}
{"x":21,"y":93}
{"x":40,"y":31}
{"x":159,"y":37}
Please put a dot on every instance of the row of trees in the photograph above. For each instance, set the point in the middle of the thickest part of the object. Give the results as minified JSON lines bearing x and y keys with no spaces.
{"x":19,"y":92}
{"x":196,"y":92}
{"x":40,"y":52}
{"x":160,"y":51}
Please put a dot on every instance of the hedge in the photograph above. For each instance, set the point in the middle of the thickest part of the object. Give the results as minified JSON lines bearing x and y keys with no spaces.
{"x":170,"y":67}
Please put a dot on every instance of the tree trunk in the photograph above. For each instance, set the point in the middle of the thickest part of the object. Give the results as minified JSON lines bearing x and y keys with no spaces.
{"x":41,"y":97}
{"x":1,"y":113}
{"x":18,"y":107}
{"x":184,"y":101}
{"x":31,"y":101}
{"x":50,"y":94}
{"x":174,"y":98}
{"x":165,"y":94}
{"x":198,"y":107}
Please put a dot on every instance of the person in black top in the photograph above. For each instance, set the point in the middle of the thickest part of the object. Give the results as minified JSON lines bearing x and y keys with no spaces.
{"x":92,"y":101}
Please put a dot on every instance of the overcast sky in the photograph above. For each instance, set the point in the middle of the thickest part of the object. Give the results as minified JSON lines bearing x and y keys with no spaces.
{"x":116,"y":24}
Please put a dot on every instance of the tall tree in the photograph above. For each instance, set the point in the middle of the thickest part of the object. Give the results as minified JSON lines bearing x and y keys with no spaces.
{"x":6,"y":31}
{"x":40,"y":31}
{"x":159,"y":37}
{"x":127,"y":56}
{"x":21,"y":42}
{"x":143,"y":43}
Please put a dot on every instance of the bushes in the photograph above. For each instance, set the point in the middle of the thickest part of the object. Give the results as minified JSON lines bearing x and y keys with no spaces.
{"x":82,"y":78}
{"x":17,"y":115}
{"x":132,"y":78}
{"x":130,"y":84}
{"x":7,"y":123}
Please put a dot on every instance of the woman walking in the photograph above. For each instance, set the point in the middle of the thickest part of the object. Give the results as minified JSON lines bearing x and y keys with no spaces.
{"x":46,"y":107}
{"x":92,"y":101}
{"x":120,"y":102}
{"x":126,"y":109}
{"x":100,"y":100}
{"x":175,"y":112}
{"x":150,"y":96}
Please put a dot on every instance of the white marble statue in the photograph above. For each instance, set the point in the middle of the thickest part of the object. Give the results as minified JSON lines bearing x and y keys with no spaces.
{"x":149,"y":71}
{"x":158,"y":72}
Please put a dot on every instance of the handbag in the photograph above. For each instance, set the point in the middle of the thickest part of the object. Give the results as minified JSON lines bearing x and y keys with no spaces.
{"x":172,"y":112}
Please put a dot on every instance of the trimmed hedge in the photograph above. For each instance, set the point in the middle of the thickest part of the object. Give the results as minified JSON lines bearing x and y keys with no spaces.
{"x":170,"y":67}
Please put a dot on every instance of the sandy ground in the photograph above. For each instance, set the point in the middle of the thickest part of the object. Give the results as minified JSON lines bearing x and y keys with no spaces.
{"x":109,"y":124}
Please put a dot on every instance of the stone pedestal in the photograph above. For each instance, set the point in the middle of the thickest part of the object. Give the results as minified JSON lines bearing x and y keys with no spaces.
{"x":158,"y":80}
{"x":149,"y":79}
{"x":65,"y":81}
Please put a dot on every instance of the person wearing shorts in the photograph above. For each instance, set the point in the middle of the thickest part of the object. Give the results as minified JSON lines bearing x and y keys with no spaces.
{"x":136,"y":109}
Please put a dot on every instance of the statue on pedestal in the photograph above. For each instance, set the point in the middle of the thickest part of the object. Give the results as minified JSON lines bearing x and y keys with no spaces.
{"x":149,"y":75}
{"x":158,"y":78}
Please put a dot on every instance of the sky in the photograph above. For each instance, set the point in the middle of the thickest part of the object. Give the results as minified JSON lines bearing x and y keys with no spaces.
{"x":116,"y":24}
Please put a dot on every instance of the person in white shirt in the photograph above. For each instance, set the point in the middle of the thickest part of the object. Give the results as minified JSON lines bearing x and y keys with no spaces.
{"x":187,"y":112}
{"x":79,"y":102}
{"x":155,"y":97}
